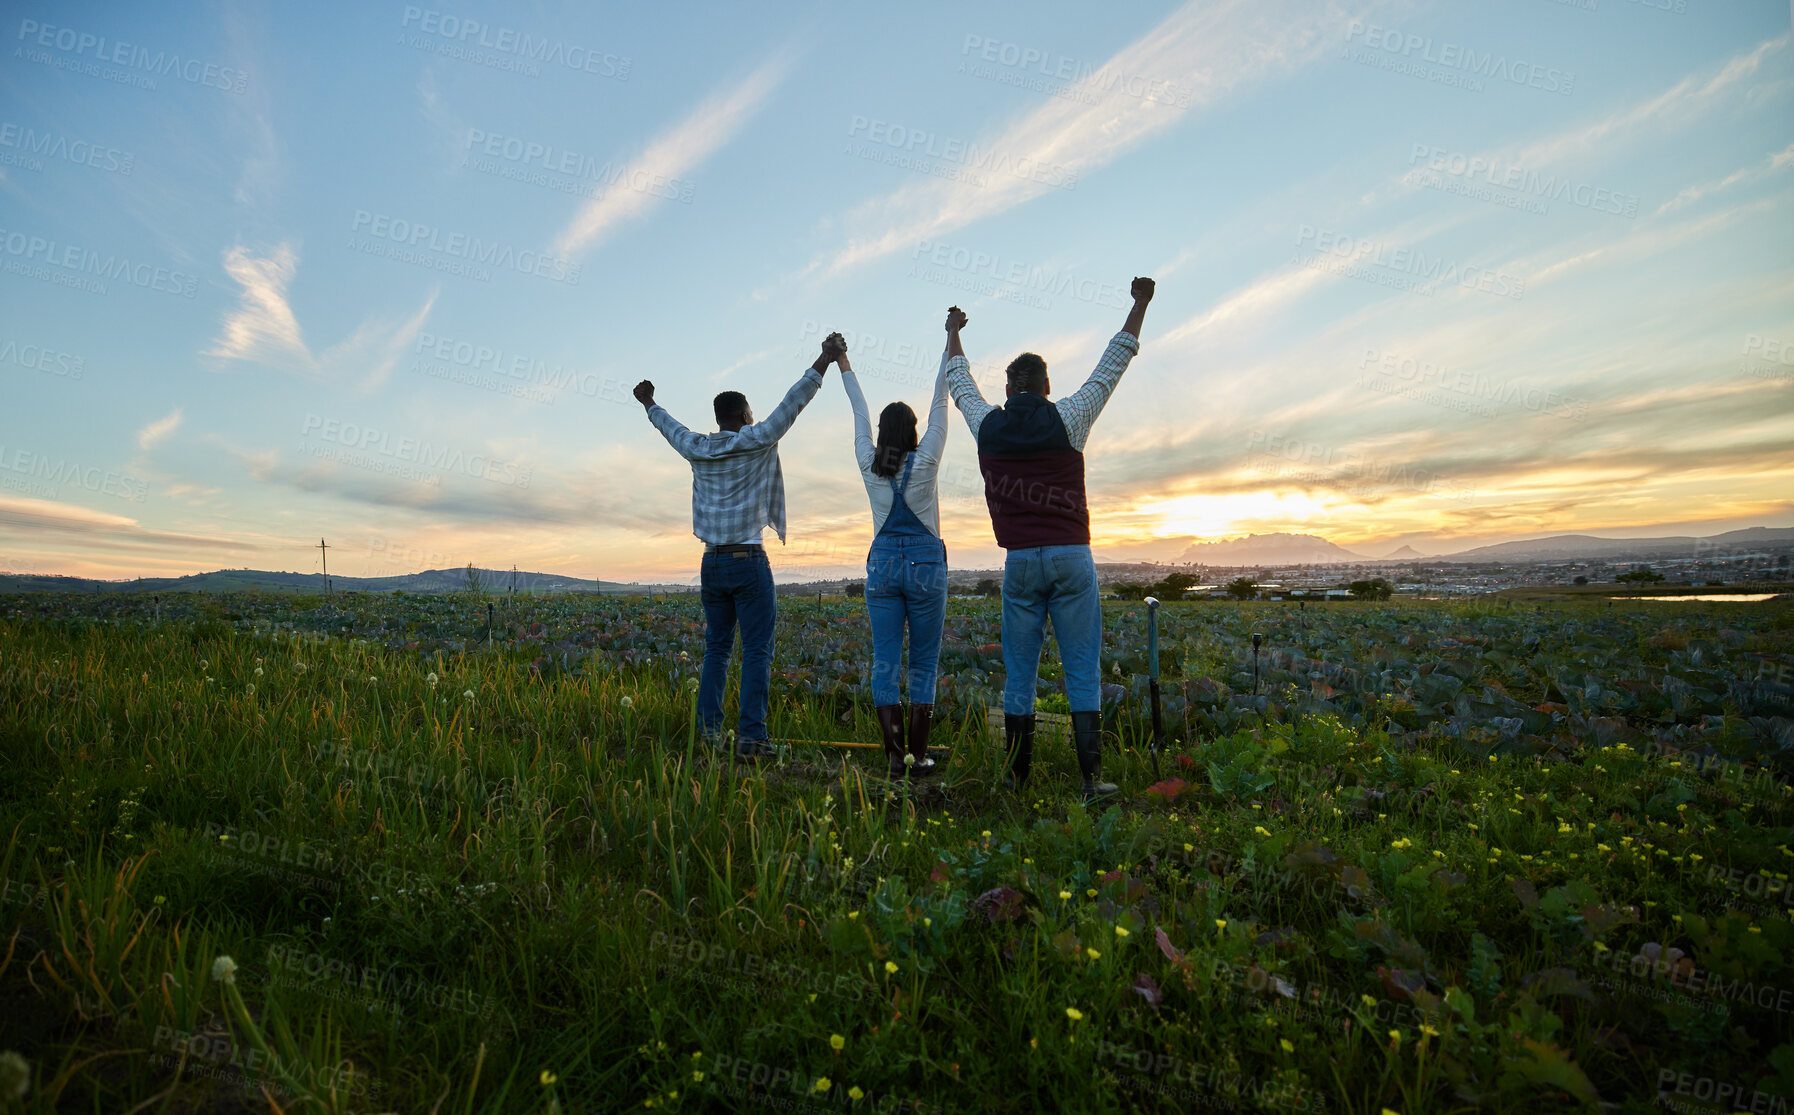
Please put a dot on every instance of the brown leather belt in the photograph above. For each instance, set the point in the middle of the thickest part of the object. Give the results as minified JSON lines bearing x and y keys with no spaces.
{"x":743,"y":548}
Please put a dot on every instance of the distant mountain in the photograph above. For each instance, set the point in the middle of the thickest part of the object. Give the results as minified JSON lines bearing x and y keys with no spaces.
{"x":1752,"y":541}
{"x":244,"y":580}
{"x":1252,"y":550}
{"x":1269,"y":549}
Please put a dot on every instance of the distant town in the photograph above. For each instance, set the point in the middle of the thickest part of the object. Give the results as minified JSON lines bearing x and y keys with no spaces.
{"x":1335,"y":581}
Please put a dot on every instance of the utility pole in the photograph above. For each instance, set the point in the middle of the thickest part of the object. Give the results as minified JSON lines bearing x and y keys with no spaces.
{"x":325,"y":558}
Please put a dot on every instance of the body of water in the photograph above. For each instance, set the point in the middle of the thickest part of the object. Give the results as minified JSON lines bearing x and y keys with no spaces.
{"x":1739,"y":597}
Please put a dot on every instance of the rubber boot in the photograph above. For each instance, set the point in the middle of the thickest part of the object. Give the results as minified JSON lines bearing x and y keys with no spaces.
{"x":921,"y":720}
{"x":890,"y":723}
{"x":1087,"y":729}
{"x":1018,"y":735}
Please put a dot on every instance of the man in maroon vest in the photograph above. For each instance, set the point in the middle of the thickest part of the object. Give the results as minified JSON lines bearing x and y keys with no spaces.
{"x":1031,"y":452}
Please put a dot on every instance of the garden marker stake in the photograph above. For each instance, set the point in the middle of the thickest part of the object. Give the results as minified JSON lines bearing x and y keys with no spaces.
{"x":1256,"y":640}
{"x":1152,"y":682}
{"x":488,"y":624}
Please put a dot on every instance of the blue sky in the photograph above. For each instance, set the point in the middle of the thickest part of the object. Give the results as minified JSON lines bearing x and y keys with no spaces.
{"x":1433,"y":274}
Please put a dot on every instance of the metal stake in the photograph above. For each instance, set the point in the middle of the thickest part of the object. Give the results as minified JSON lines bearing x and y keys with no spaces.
{"x":1152,"y":666}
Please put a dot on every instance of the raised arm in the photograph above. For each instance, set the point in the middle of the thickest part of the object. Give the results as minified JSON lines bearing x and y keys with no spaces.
{"x":863,"y":445}
{"x":934,"y":440}
{"x":775,"y":424}
{"x":1136,"y":317}
{"x":683,"y":441}
{"x":960,"y":384}
{"x":1079,"y":409}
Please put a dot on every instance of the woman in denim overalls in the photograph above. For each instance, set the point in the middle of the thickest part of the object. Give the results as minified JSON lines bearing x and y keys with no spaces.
{"x":906,"y":569}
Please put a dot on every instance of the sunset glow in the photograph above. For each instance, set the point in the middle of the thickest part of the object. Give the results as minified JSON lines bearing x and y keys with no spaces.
{"x":403,"y":311}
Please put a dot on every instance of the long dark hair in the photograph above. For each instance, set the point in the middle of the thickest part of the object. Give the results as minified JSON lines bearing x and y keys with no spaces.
{"x":896,"y":439}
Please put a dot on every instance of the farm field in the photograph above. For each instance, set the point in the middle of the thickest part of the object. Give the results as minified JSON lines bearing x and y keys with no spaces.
{"x":366,"y":853}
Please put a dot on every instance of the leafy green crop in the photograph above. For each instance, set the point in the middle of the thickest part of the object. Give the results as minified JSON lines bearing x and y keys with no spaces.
{"x":349,"y":855}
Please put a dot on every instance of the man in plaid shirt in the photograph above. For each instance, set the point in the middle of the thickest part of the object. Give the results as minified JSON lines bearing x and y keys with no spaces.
{"x":1031,"y":452}
{"x":738,"y":490}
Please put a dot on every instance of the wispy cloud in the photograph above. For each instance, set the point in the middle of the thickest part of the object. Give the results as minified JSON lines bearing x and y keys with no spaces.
{"x":1210,"y":48}
{"x":369,"y":354}
{"x":1681,"y":103}
{"x":263,"y":328}
{"x":1779,"y":160}
{"x":575,"y":490}
{"x":450,"y":129}
{"x":100,"y":528}
{"x":673,"y":155}
{"x":263,"y":171}
{"x":159,"y":429}
{"x":1648,"y":243}
{"x":1248,"y":303}
{"x":750,"y":358}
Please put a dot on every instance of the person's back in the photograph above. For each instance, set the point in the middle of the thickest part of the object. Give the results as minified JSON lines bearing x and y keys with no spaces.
{"x":1031,"y":453}
{"x":906,"y":567}
{"x":1034,"y":476}
{"x":738,"y":483}
{"x":737,"y":491}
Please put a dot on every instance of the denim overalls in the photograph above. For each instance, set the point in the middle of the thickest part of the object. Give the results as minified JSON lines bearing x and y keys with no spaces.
{"x":906,"y":581}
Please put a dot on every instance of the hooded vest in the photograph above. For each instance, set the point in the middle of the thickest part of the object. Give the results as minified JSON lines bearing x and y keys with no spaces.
{"x":1033,"y":478}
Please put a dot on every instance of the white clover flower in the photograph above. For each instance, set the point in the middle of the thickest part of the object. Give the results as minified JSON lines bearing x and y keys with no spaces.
{"x":372,"y":680}
{"x":628,"y":702}
{"x":205,"y":663}
{"x":15,"y":1075}
{"x":432,"y":679}
{"x":224,"y":970}
{"x":258,"y":671}
{"x":299,"y":668}
{"x":468,"y":694}
{"x":249,"y":690}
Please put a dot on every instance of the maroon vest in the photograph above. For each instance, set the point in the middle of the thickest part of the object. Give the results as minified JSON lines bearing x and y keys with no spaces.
{"x":1033,"y":478}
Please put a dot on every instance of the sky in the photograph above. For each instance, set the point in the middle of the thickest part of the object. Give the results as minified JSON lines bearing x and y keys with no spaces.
{"x":1429,"y":274}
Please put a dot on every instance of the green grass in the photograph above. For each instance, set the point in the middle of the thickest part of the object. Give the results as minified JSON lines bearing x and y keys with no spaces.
{"x":454,"y":881}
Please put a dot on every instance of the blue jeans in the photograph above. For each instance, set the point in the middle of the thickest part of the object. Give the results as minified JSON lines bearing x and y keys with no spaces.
{"x":906,"y":582}
{"x":737,"y":588}
{"x":1059,"y":581}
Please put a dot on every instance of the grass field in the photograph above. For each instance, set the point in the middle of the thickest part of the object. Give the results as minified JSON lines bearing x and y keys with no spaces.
{"x":281,"y":853}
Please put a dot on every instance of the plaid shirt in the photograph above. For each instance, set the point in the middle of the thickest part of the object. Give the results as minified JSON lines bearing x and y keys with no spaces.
{"x":1078,"y":410}
{"x":737,"y":486}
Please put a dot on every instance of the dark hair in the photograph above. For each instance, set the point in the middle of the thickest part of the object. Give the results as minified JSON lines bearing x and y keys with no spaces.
{"x":896,"y":437}
{"x":1027,"y":372}
{"x":731,"y":406}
